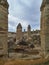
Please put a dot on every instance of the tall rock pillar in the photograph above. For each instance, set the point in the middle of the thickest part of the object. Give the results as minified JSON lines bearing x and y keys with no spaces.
{"x":29,"y":30}
{"x":19,"y":32}
{"x":45,"y":26}
{"x":3,"y":27}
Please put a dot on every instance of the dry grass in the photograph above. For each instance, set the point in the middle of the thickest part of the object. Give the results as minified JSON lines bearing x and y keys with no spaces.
{"x":23,"y":62}
{"x":2,"y":61}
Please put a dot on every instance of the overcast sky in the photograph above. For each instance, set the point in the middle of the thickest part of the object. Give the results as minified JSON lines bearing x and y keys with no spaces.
{"x":25,"y":12}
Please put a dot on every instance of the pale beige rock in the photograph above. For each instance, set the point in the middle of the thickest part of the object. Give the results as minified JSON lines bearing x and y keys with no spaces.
{"x":19,"y":33}
{"x":45,"y":26}
{"x":3,"y":29}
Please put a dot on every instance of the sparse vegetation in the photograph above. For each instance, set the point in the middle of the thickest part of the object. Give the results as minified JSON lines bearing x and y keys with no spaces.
{"x":25,"y":62}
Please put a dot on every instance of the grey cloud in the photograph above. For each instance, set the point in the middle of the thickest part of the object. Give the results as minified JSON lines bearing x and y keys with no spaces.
{"x":29,"y":13}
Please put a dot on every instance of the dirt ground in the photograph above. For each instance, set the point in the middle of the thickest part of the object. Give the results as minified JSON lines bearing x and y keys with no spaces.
{"x":24,"y":62}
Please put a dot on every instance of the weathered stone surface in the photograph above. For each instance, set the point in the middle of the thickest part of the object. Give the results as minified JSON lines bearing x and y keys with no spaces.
{"x":3,"y":29}
{"x":29,"y":31}
{"x":45,"y":26}
{"x":19,"y":32}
